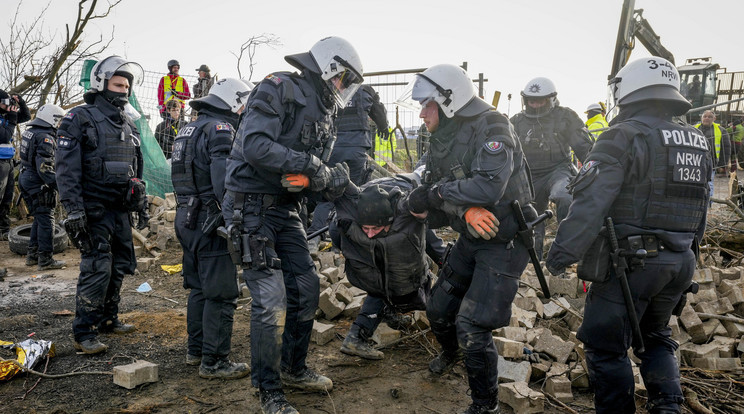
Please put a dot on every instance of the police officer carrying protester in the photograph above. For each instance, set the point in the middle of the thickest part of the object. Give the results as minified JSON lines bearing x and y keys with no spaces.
{"x":279,"y":154}
{"x":198,"y":174}
{"x":385,"y":251}
{"x":38,"y":184}
{"x":353,"y":141}
{"x":475,"y":162}
{"x":99,"y":171}
{"x":547,"y":132}
{"x":650,"y":175}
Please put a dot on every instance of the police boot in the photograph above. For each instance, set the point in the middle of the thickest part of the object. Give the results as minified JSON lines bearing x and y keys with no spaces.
{"x":32,"y":256}
{"x":356,"y":344}
{"x":492,"y":407}
{"x":307,"y":380}
{"x":274,"y":402}
{"x":444,"y":362}
{"x":46,"y":262}
{"x":116,"y":326}
{"x":223,"y":369}
{"x":395,"y":320}
{"x":90,"y":346}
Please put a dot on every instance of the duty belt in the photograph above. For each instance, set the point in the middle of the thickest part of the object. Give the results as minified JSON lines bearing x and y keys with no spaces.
{"x":267,"y":200}
{"x":648,"y":242}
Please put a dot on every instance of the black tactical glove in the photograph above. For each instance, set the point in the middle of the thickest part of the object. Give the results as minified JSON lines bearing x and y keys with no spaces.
{"x":76,"y":221}
{"x":47,"y":197}
{"x":338,"y":182}
{"x":424,"y":198}
{"x":143,"y":219}
{"x":319,"y":181}
{"x":384,"y":133}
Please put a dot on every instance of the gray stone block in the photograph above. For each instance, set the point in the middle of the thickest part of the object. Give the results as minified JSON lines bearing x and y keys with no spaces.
{"x":384,"y":334}
{"x":514,"y":371}
{"x":322,"y":333}
{"x":554,"y":346}
{"x":134,"y":374}
{"x":343,"y":294}
{"x":512,"y":332}
{"x":553,"y":310}
{"x":559,"y":387}
{"x":328,"y":303}
{"x":508,"y":348}
{"x":352,"y":309}
{"x":521,"y":398}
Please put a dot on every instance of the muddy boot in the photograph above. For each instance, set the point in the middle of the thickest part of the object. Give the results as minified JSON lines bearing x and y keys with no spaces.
{"x":307,"y":380}
{"x":355,"y":345}
{"x":444,"y":362}
{"x":116,"y":326}
{"x":224,"y":369}
{"x":492,"y":407}
{"x":396,"y":320}
{"x":90,"y":346}
{"x":32,"y":256}
{"x":274,"y":402}
{"x":46,"y":262}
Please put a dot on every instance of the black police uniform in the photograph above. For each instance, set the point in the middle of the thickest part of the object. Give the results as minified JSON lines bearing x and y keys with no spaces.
{"x":353,"y":140}
{"x":285,"y":122}
{"x":650,"y":175}
{"x":98,"y":152}
{"x":478,"y":161}
{"x":38,"y":185}
{"x":546,"y":140}
{"x":8,"y":122}
{"x":198,"y":174}
{"x":391,"y":267}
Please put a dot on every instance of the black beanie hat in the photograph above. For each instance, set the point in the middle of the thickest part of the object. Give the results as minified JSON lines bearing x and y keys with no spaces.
{"x":374,"y":207}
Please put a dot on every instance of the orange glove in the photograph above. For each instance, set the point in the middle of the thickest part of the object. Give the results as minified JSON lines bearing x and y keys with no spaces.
{"x":295,"y":183}
{"x":481,"y":223}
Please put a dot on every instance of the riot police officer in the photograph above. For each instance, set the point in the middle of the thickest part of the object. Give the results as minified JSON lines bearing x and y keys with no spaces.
{"x":38,"y":184}
{"x":650,"y":175}
{"x":353,"y":141}
{"x":475,"y":163}
{"x":13,"y":111}
{"x":198,"y":174}
{"x":547,"y":132}
{"x":279,"y":155}
{"x":385,"y":251}
{"x":99,"y":171}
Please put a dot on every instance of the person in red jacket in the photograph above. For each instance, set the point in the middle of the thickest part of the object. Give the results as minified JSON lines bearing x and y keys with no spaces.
{"x":172,"y":86}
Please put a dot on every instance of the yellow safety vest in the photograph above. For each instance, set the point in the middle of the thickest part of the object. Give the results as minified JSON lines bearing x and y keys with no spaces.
{"x":168,"y":87}
{"x":717,"y":134}
{"x":596,"y":122}
{"x":384,"y":148}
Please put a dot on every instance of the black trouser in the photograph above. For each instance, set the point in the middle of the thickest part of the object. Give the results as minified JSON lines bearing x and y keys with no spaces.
{"x":42,"y":228}
{"x":284,"y":299}
{"x":551,"y":187}
{"x":606,"y":334}
{"x":7,"y":184}
{"x":102,"y":271}
{"x":464,"y":314}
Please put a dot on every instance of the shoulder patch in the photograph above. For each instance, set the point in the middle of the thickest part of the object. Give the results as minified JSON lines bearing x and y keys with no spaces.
{"x":493,"y":146}
{"x":64,"y":142}
{"x":48,"y":140}
{"x":222,"y":126}
{"x":589,"y":165}
{"x":277,"y":80}
{"x":70,"y":115}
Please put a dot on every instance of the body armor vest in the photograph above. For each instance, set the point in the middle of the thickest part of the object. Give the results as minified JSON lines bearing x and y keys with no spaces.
{"x":353,"y":117}
{"x":672,"y":194}
{"x":28,"y":146}
{"x":187,"y":178}
{"x":109,"y":154}
{"x":540,"y":140}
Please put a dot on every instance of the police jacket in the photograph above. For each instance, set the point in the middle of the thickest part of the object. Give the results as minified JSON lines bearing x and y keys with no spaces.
{"x":199,"y":154}
{"x":546,"y":139}
{"x":8,"y":122}
{"x":98,"y":151}
{"x":649,"y":174}
{"x":285,"y":125}
{"x":38,"y":145}
{"x":352,"y":124}
{"x":165,"y":134}
{"x":478,"y":161}
{"x":389,"y":265}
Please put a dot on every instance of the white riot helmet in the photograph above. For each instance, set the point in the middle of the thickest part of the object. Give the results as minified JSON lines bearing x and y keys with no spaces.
{"x":337,"y":63}
{"x":49,"y":115}
{"x":115,"y":65}
{"x":647,"y":79}
{"x":228,"y":94}
{"x":451,"y":88}
{"x":593,"y":107}
{"x":539,"y":88}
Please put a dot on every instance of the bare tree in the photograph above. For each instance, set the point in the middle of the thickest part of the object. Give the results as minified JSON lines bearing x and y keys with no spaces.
{"x":36,"y":65}
{"x":249,"y":48}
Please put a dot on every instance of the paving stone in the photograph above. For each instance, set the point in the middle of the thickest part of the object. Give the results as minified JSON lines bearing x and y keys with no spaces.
{"x":533,"y":334}
{"x":539,"y":369}
{"x":553,"y":310}
{"x":554,"y":346}
{"x":579,"y":377}
{"x":736,"y":295}
{"x":533,"y":304}
{"x":720,"y":306}
{"x":718,"y":364}
{"x":726,"y":346}
{"x":703,"y":275}
{"x":170,"y":200}
{"x":342,"y":294}
{"x":524,"y":318}
{"x":508,"y":348}
{"x":727,"y":285}
{"x":733,"y":329}
{"x":322,"y":333}
{"x":326,"y":260}
{"x":156,"y":201}
{"x":357,"y":292}
{"x":521,"y":398}
{"x":384,"y":334}
{"x":570,"y":286}
{"x":144,"y":263}
{"x":170,"y":216}
{"x":690,"y":351}
{"x":730,"y":273}
{"x":512,"y":332}
{"x":352,"y":309}
{"x":331,"y":272}
{"x":559,"y":387}
{"x":512,"y":371}
{"x":328,"y":303}
{"x":134,"y":374}
{"x":707,"y":293}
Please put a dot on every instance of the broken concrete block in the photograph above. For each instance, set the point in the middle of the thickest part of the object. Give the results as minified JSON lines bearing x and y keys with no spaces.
{"x":508,"y":348}
{"x":727,"y":285}
{"x":730,"y":273}
{"x":553,"y":310}
{"x":733,"y":329}
{"x":554,"y":346}
{"x":533,"y":304}
{"x":342,"y":294}
{"x":579,"y":377}
{"x":514,"y":371}
{"x":170,"y":201}
{"x":385,"y":335}
{"x":345,"y":281}
{"x":155,"y":200}
{"x":170,"y":216}
{"x":707,"y":293}
{"x":735,"y":295}
{"x":570,"y":286}
{"x":703,"y":276}
{"x":533,"y":334}
{"x":134,"y":374}
{"x":144,"y":263}
{"x":726,"y":346}
{"x":720,"y":306}
{"x":521,"y":398}
{"x":690,"y":351}
{"x":357,"y":292}
{"x":328,"y":303}
{"x":512,"y":332}
{"x":326,"y":259}
{"x":331,"y":273}
{"x":352,"y":309}
{"x":539,"y":369}
{"x":524,"y":318}
{"x":322,"y":333}
{"x":559,"y":387}
{"x":719,"y":364}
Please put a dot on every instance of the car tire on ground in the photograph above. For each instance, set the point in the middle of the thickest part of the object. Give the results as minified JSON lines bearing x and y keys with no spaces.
{"x":19,"y":237}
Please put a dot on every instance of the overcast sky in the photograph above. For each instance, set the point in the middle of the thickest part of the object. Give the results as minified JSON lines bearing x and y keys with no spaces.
{"x":570,"y":42}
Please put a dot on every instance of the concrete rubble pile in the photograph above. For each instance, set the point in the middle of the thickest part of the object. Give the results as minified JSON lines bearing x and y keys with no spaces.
{"x":152,"y":240}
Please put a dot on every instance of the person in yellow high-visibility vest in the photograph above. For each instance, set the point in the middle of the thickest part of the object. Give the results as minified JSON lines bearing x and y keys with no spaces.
{"x":385,"y":147}
{"x":718,"y":139}
{"x":172,"y":86}
{"x":595,"y":120}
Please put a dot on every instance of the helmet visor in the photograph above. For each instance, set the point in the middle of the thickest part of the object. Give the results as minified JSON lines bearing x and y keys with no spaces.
{"x":612,"y":88}
{"x":417,"y":93}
